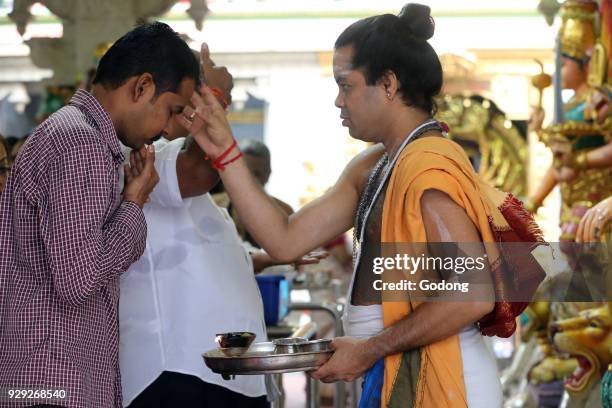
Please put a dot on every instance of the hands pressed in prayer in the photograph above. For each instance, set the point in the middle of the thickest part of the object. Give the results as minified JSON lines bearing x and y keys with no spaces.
{"x":140,"y":176}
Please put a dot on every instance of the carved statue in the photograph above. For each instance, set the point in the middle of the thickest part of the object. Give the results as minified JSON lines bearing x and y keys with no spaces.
{"x":588,"y":338}
{"x":581,"y":186}
{"x":493,"y":143}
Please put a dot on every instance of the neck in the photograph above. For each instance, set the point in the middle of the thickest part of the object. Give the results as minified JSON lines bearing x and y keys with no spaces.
{"x":581,"y":91}
{"x":401,"y":126}
{"x":106,"y":98}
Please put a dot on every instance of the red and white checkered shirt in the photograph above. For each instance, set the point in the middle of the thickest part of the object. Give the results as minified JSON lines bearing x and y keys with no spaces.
{"x":65,"y":236}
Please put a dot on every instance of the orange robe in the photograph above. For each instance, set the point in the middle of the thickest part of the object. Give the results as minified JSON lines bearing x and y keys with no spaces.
{"x":432,"y":376}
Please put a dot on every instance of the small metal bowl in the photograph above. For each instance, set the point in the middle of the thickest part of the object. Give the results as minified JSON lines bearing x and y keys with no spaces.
{"x":300,"y":345}
{"x":289,"y":345}
{"x":234,"y":343}
{"x":318,"y":345}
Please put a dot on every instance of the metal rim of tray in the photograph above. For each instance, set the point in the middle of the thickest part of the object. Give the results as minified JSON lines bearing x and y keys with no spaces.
{"x":261,"y":363}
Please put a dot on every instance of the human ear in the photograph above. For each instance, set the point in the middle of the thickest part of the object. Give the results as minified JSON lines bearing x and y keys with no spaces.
{"x":389,"y":83}
{"x":144,"y":87}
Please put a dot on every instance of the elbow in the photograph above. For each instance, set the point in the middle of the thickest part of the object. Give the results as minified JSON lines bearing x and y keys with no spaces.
{"x":282,"y":257}
{"x":283,"y":254}
{"x":69,"y":291}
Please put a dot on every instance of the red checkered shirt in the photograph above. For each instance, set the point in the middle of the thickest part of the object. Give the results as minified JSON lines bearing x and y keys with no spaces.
{"x":65,"y":236}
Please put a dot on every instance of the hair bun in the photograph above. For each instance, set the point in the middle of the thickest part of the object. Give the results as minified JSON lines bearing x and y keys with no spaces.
{"x":417,"y":19}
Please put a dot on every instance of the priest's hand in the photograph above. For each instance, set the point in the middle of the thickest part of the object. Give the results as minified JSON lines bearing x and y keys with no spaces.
{"x":351,"y":359}
{"x":262,"y":260}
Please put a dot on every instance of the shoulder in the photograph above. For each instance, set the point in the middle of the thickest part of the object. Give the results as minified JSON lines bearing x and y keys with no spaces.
{"x":432,"y":163}
{"x":69,"y":128}
{"x":359,"y":168}
{"x":65,"y":135}
{"x":432,"y":153}
{"x":443,"y":147}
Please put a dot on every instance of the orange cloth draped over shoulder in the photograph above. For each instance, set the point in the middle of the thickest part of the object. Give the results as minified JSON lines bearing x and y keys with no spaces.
{"x":440,"y":164}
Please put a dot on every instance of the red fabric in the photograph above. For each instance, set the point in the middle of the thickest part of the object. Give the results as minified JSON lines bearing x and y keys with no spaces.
{"x":518,"y":274}
{"x":220,"y":97}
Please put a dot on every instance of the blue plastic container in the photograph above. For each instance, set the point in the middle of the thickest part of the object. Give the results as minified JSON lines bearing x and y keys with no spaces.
{"x":275,"y":294}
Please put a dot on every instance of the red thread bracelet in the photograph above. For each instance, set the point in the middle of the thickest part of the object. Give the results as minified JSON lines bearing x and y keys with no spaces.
{"x":221,"y":166}
{"x":218,"y":162}
{"x":218,"y":93}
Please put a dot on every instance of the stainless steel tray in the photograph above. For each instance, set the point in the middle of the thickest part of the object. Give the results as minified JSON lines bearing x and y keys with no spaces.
{"x":260,"y":359}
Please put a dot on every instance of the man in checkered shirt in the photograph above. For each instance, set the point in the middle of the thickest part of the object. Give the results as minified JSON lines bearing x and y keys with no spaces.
{"x":67,"y":231}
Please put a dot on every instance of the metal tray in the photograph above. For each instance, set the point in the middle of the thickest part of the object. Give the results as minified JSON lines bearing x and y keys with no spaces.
{"x":260,"y":359}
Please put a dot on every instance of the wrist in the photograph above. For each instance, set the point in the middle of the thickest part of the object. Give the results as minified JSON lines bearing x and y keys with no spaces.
{"x":376,"y":348}
{"x":134,"y":200}
{"x":229,"y":155}
{"x":221,"y":149}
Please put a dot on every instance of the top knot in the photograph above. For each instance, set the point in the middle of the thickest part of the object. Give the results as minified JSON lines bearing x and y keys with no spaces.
{"x":418,"y":20}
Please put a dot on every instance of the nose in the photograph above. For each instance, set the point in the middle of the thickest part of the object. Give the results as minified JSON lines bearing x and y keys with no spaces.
{"x":339,"y":102}
{"x":169,"y":129}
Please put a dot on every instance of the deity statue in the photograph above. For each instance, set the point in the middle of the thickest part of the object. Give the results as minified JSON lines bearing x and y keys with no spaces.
{"x":588,"y":338}
{"x":572,"y":138}
{"x":494,"y":145}
{"x":581,"y":185}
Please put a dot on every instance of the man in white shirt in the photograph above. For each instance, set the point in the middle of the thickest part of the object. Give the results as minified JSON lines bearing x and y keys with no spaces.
{"x":194,"y":280}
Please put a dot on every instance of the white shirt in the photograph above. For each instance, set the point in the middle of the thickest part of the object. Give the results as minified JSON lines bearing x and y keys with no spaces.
{"x":194,"y":280}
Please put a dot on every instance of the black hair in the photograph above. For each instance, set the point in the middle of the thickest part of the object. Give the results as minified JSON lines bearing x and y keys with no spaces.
{"x":582,"y":62}
{"x":399,"y":44}
{"x":154,"y":48}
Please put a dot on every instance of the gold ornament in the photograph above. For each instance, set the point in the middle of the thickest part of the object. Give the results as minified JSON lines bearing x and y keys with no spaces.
{"x":579,"y":19}
{"x":579,"y":161}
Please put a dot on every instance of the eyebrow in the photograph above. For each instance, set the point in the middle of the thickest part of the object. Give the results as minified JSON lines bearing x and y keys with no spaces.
{"x":340,"y":77}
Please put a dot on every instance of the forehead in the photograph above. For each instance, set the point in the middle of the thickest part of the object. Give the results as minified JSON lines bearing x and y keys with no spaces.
{"x":182,"y":96}
{"x":343,"y":61}
{"x":569,"y":61}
